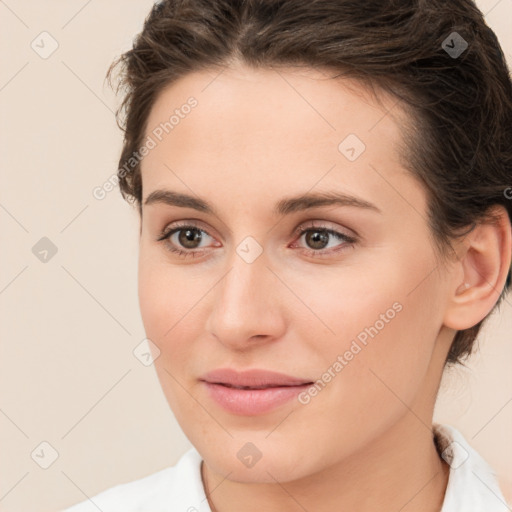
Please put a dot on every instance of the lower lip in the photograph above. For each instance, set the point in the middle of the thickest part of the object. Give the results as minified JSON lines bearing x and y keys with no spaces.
{"x":250,"y":402}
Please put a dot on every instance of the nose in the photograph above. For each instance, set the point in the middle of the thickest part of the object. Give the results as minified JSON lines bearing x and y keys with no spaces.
{"x":247,"y":306}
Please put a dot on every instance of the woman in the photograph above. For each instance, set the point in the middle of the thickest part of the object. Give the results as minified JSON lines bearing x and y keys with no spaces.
{"x":325,"y":226}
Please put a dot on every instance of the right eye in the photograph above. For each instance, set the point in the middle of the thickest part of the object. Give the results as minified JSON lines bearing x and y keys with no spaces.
{"x":183,"y":239}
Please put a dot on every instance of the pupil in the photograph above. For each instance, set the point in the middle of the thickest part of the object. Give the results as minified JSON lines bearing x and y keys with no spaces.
{"x":317,"y":236}
{"x":187,"y":237}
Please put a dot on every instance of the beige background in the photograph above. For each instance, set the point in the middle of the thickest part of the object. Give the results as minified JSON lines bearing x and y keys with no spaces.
{"x":69,"y":326}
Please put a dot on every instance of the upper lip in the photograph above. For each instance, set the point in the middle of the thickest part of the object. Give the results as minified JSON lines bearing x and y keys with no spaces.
{"x":252,"y":378}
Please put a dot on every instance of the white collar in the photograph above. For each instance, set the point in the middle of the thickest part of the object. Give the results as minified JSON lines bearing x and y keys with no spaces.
{"x":472,"y":484}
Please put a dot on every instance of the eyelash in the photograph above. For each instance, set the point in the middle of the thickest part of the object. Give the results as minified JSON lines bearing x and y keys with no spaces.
{"x":167,"y":233}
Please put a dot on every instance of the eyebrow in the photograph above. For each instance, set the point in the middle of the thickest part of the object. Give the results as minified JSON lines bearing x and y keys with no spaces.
{"x":285,"y":206}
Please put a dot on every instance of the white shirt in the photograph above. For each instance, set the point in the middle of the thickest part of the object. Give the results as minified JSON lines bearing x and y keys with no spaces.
{"x":472,"y":485}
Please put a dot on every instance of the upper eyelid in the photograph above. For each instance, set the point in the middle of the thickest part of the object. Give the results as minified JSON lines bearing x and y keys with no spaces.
{"x":195,"y":223}
{"x":309,"y":224}
{"x":325,"y":225}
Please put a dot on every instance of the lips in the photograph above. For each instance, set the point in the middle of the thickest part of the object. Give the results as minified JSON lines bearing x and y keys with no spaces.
{"x":252,"y":379}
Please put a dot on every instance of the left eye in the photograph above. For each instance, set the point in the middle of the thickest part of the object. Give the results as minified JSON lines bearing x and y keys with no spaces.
{"x":318,"y":238}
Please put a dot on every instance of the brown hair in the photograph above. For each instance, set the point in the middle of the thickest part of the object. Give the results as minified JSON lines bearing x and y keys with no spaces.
{"x":459,"y":141}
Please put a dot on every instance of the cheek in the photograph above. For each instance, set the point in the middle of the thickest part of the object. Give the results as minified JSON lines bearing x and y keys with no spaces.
{"x":172,"y":303}
{"x":163,"y":308}
{"x":383,"y":335}
{"x":153,"y":299}
{"x":168,"y":319}
{"x":161,"y":287}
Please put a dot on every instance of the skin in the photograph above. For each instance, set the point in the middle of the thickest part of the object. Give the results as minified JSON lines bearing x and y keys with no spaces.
{"x":364,"y":442}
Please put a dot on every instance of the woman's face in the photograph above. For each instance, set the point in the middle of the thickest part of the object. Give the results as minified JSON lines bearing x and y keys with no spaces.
{"x":362,"y":312}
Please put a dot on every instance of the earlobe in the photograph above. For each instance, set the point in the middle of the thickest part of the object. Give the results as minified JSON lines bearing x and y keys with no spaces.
{"x":485,"y":263}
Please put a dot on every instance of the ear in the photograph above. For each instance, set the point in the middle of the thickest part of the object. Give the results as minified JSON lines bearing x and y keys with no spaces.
{"x":484,"y":266}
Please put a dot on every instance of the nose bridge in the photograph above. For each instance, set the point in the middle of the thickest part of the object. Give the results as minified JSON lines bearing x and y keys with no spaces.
{"x":241,"y":289}
{"x":245,"y":300}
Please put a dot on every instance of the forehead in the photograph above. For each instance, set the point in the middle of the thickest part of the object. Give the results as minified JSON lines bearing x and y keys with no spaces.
{"x":286,"y":126}
{"x":279,"y":97}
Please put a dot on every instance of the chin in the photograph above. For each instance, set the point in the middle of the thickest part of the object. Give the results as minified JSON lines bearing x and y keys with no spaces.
{"x":258,"y":462}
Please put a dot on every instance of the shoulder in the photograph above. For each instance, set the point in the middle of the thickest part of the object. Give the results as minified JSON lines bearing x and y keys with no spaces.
{"x":472,"y":484}
{"x":177,"y":487}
